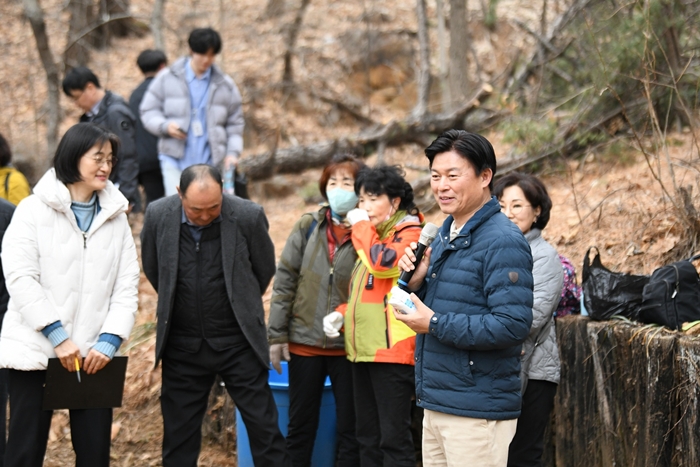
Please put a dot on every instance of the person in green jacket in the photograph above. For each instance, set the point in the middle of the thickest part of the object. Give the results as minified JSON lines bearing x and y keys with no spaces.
{"x":14,"y":186}
{"x":312,"y":280}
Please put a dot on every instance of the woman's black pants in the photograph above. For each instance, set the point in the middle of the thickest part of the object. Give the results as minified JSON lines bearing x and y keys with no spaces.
{"x":528,"y":443}
{"x":29,"y":426}
{"x":383,"y":394}
{"x":307,"y":376}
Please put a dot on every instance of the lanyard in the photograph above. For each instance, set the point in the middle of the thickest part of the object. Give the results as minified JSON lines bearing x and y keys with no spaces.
{"x":202,"y":100}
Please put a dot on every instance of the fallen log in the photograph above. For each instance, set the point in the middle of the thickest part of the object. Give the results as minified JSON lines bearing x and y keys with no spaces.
{"x":419,"y":130}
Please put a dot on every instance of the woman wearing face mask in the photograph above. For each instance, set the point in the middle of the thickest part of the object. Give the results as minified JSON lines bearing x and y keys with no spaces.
{"x":312,"y":280}
{"x":525,"y":201}
{"x":380,"y":347}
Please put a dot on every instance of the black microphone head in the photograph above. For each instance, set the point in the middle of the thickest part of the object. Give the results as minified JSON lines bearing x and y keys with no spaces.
{"x":428,"y":234}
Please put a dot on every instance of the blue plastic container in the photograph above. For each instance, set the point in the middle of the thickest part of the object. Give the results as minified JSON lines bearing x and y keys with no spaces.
{"x":324,"y":447}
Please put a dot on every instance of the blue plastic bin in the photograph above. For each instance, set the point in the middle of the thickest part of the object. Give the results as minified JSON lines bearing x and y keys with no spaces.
{"x":324,"y":447}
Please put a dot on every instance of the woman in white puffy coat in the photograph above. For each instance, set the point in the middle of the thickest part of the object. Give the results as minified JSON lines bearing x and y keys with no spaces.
{"x":525,"y":201}
{"x":72,"y":273}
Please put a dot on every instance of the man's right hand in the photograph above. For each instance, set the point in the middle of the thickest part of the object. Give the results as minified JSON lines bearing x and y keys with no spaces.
{"x":406,"y":264}
{"x":67,"y":352}
{"x":175,"y":131}
{"x":277,"y":353}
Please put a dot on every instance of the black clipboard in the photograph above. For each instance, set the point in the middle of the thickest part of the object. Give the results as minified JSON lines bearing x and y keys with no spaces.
{"x":102,"y":390}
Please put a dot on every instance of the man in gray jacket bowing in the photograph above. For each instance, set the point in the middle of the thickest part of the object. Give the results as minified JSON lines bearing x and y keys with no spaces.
{"x":210,"y":258}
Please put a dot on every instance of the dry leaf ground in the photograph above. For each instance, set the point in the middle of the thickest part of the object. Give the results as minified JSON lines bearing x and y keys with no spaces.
{"x":607,"y":200}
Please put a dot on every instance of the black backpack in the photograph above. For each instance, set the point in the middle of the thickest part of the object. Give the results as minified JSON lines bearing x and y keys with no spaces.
{"x":672,"y":296}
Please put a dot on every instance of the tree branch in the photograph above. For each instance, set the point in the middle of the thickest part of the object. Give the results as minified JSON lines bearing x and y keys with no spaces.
{"x":288,"y":74}
{"x":35,"y":15}
{"x":424,"y":78}
{"x":96,"y":25}
{"x":157,"y":24}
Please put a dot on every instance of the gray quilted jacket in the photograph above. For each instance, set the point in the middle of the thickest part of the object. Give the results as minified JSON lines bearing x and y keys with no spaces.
{"x":541,"y":361}
{"x":168,"y":100}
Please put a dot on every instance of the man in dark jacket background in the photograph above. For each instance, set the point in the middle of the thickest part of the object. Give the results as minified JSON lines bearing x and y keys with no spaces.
{"x":6,"y":211}
{"x":210,"y":258}
{"x":150,"y":62}
{"x":477,"y":292}
{"x":111,"y":112}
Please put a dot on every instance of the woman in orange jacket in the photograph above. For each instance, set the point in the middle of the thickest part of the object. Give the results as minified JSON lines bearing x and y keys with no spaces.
{"x":380,"y":347}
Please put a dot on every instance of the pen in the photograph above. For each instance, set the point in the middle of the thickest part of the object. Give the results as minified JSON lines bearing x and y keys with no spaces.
{"x":77,"y":369}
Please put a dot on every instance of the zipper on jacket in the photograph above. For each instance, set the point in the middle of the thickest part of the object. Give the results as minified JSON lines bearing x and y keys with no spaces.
{"x":330,"y":284}
{"x":328,"y":304}
{"x":678,"y":279}
{"x":198,"y":294}
{"x":354,"y":318}
{"x":82,"y":275}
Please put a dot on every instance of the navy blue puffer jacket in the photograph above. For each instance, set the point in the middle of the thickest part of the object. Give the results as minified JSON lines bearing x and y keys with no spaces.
{"x":480,"y":287}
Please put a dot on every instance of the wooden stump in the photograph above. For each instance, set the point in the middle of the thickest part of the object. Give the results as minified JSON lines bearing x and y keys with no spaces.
{"x":619,"y":396}
{"x":687,"y":432}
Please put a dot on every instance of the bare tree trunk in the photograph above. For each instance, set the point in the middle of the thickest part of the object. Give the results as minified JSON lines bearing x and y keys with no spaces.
{"x":35,"y":15}
{"x":101,"y":36}
{"x":77,"y":51}
{"x":107,"y":12}
{"x":459,"y":47}
{"x":442,"y":58}
{"x":543,"y":18}
{"x":490,"y":18}
{"x":274,"y":8}
{"x":157,"y":24}
{"x":421,"y":107}
{"x":114,"y":8}
{"x":288,"y":75}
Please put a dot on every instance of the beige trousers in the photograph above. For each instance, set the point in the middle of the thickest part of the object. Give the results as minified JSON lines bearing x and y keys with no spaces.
{"x":454,"y":441}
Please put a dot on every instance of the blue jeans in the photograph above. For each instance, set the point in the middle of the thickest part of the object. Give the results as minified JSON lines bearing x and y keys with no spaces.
{"x":171,"y":177}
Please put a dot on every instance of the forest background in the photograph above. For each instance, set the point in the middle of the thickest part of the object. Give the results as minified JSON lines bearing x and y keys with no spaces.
{"x":598,"y":97}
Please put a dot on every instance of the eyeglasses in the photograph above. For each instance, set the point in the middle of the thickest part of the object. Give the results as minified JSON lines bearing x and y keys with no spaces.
{"x":515,"y":208}
{"x":100,"y":160}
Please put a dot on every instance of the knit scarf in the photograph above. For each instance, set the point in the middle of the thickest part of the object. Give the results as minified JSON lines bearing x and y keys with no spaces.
{"x":386,"y":227}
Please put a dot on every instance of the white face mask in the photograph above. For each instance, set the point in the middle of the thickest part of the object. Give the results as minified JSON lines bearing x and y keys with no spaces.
{"x":391,"y":212}
{"x":341,"y":201}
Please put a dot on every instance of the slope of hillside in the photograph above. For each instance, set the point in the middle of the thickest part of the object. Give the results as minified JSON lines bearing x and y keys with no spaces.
{"x":607,"y":200}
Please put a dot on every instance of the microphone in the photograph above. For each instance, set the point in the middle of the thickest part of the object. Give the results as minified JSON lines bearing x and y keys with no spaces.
{"x":427,"y":235}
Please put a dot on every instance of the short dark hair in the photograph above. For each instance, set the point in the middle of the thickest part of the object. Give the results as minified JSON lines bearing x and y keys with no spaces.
{"x":473,"y":147}
{"x":75,"y":143}
{"x":202,"y":40}
{"x":340,"y":161}
{"x":77,"y":78}
{"x":5,"y":152}
{"x":387,"y":180}
{"x":534,"y":190}
{"x":151,"y":60}
{"x":199,"y":172}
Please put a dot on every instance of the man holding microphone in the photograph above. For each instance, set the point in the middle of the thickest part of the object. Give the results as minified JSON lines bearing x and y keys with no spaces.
{"x":473,"y":299}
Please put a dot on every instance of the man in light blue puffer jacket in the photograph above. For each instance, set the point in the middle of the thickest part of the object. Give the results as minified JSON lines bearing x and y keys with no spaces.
{"x":477,"y":291}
